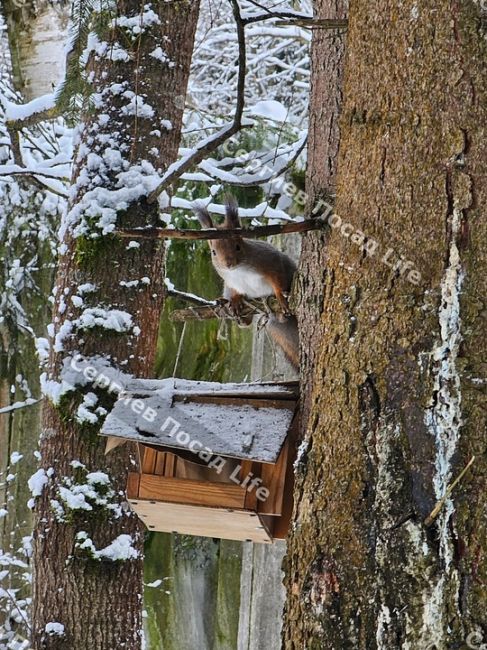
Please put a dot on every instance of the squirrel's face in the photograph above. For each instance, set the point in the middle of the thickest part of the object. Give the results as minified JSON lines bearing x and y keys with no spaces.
{"x":227,"y":253}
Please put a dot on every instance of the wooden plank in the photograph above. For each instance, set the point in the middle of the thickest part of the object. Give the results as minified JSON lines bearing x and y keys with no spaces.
{"x":285,"y":402}
{"x":133,"y":480}
{"x":188,"y":491}
{"x":172,"y":386}
{"x":160,"y":466}
{"x":274,"y":479}
{"x":248,"y":467}
{"x":148,"y":460}
{"x":202,"y":521}
{"x":281,"y":525}
{"x":170,"y":467}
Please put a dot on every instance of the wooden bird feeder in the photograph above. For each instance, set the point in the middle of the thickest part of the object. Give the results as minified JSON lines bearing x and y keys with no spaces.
{"x":216,"y":460}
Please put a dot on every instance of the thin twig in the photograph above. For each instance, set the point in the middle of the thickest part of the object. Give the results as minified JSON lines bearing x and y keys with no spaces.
{"x":436,"y":510}
{"x":191,"y":297}
{"x":213,"y":233}
{"x":177,"y":170}
{"x":314,"y":23}
{"x":180,"y":347}
{"x":270,"y":13}
{"x":223,"y":311}
{"x":25,"y":171}
{"x":19,"y":405}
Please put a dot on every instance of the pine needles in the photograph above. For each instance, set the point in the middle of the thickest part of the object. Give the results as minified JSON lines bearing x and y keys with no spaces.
{"x":74,"y":93}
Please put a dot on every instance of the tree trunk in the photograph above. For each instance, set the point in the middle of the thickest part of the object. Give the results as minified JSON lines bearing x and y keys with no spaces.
{"x":327,"y":55}
{"x":88,"y":560}
{"x":29,"y":219}
{"x":327,"y":60}
{"x":397,"y":410}
{"x":37,"y":33}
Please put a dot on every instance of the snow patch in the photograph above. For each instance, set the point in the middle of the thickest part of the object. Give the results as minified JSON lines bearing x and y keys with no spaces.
{"x":54,"y":629}
{"x":270,"y":109}
{"x":119,"y":550}
{"x":444,"y":417}
{"x":37,"y":482}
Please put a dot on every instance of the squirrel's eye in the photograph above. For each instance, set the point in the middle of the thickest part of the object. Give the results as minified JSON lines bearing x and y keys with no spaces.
{"x":237,"y":247}
{"x":213,"y":252}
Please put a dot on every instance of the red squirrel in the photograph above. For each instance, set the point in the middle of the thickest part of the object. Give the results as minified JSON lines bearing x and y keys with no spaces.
{"x":254,"y":269}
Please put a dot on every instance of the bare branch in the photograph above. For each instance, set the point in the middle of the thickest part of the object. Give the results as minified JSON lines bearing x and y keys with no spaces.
{"x":211,"y":144}
{"x":270,"y":13}
{"x":221,"y":309}
{"x":293,"y":18}
{"x":213,"y":233}
{"x":315,"y":23}
{"x":191,"y":297}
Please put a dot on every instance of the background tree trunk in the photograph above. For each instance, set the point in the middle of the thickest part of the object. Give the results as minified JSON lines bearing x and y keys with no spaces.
{"x":397,"y":406}
{"x":29,"y":220}
{"x":99,"y":602}
{"x":34,"y":30}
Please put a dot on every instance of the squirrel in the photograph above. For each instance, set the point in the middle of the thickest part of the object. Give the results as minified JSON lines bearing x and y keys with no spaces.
{"x":254,"y":269}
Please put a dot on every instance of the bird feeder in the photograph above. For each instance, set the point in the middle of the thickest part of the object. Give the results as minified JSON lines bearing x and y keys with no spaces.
{"x":216,"y":460}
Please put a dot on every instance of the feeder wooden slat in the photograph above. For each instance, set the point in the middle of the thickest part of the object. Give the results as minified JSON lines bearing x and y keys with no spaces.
{"x":176,"y":490}
{"x":186,"y":519}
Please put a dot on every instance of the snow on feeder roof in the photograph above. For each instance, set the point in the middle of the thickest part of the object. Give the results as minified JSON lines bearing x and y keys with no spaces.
{"x":246,"y":421}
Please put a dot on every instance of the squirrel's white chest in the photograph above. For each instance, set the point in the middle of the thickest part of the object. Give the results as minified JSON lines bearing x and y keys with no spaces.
{"x":246,"y":281}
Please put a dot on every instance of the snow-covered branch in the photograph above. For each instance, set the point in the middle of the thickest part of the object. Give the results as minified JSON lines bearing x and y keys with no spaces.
{"x":212,"y":143}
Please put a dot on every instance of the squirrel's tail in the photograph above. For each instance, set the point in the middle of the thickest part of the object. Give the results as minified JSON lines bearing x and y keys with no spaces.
{"x":284,"y":332}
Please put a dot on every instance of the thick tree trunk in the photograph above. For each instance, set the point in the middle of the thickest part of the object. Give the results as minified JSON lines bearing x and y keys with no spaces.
{"x":139,"y":81}
{"x":327,"y":56}
{"x":327,"y":61}
{"x":398,"y":404}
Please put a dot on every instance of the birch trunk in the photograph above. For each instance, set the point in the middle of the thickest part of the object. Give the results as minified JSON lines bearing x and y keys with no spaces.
{"x":26,"y":236}
{"x":37,"y":34}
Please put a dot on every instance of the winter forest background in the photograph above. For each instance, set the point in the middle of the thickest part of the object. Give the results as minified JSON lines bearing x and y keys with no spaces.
{"x":377,"y":110}
{"x":193,"y":585}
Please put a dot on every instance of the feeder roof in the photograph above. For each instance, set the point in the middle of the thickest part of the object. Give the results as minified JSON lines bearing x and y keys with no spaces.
{"x":247,"y":421}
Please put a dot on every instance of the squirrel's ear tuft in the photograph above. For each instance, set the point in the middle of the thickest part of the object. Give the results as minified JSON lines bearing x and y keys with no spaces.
{"x":231,"y":212}
{"x":203,"y":215}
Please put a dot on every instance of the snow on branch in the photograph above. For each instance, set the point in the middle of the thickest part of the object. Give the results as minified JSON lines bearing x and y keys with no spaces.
{"x":271,"y":166}
{"x":16,"y":406}
{"x":19,"y":115}
{"x":212,"y":143}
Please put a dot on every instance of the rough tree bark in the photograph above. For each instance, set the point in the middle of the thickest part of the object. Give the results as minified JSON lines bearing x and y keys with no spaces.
{"x":130,"y":134}
{"x":398,"y":401}
{"x":327,"y":55}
